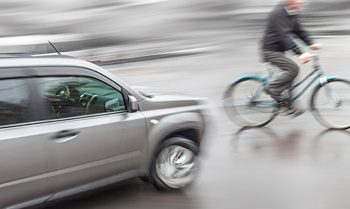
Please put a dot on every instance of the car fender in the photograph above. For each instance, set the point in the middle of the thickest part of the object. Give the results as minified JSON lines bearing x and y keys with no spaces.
{"x":171,"y":124}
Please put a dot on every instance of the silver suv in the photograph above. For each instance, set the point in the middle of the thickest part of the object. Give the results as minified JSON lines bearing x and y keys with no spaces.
{"x":68,"y":126}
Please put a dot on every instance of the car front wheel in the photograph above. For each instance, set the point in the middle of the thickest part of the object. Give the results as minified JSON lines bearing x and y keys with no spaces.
{"x":175,"y":164}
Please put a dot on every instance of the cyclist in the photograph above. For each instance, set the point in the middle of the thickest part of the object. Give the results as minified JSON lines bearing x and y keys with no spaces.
{"x":282,"y":25}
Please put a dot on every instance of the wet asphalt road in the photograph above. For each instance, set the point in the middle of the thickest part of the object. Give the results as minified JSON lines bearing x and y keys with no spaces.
{"x":290,"y":164}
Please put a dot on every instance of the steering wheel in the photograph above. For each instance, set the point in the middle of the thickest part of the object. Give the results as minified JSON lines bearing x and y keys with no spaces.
{"x":87,"y":100}
{"x":89,"y":104}
{"x":63,"y":93}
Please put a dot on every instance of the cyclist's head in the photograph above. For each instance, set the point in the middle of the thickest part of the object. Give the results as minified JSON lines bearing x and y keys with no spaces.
{"x":294,"y":5}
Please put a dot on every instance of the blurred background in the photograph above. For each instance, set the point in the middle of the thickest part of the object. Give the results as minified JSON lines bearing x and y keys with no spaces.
{"x":134,"y":28}
{"x":198,"y":47}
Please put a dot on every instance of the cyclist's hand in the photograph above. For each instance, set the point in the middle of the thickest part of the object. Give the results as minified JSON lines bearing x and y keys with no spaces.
{"x":315,"y":46}
{"x":305,"y":57}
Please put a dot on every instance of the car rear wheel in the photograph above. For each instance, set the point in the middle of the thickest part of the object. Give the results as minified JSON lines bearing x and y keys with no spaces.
{"x":175,"y":164}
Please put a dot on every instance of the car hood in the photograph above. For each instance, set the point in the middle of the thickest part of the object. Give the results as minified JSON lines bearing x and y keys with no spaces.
{"x":160,"y":100}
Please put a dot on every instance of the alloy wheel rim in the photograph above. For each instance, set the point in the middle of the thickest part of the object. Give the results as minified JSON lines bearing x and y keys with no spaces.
{"x":177,"y":166}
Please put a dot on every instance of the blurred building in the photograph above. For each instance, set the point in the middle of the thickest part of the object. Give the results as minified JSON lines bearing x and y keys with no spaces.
{"x":92,"y":23}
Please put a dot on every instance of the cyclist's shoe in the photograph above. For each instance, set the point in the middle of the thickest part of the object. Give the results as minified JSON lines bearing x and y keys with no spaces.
{"x":295,"y":112}
{"x":285,"y":105}
{"x":289,"y":109}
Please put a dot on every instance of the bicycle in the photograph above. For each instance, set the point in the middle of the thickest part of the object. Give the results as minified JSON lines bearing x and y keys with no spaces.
{"x":329,"y":101}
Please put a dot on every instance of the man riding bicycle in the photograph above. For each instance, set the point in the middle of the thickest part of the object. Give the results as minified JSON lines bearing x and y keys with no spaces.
{"x":282,"y":25}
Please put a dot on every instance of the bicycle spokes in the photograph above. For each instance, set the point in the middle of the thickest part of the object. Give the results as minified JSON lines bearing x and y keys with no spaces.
{"x":333,"y":97}
{"x":331,"y":104}
{"x":248,"y":103}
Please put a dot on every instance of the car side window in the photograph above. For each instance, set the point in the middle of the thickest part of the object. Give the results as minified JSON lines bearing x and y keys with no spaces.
{"x":14,"y":101}
{"x":79,"y":96}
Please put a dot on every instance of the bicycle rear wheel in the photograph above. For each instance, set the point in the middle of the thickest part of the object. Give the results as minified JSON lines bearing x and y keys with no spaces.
{"x":330,"y":104}
{"x":248,"y":105}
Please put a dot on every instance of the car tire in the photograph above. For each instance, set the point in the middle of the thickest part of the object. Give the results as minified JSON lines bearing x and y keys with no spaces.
{"x":175,"y":164}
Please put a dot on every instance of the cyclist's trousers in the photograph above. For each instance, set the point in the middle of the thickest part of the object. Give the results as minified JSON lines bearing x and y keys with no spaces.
{"x":285,"y":77}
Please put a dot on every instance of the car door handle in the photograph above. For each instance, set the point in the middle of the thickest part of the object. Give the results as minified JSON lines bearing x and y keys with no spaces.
{"x":66,"y":135}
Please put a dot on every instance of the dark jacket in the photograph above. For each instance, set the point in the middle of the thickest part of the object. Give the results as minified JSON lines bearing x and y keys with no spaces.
{"x":280,"y":29}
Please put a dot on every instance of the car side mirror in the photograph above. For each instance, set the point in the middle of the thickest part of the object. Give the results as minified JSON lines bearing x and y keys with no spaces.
{"x":133,"y":104}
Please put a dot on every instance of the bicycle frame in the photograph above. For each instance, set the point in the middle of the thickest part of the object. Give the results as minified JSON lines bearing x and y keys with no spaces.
{"x":320,"y":73}
{"x":317,"y":70}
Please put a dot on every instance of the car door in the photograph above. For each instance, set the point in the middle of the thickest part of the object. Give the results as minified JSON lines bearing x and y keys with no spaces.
{"x":26,"y":162}
{"x":93,"y":134}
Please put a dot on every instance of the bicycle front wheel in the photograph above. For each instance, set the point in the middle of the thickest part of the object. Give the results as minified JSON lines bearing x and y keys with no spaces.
{"x":330,"y":104}
{"x":247,"y":104}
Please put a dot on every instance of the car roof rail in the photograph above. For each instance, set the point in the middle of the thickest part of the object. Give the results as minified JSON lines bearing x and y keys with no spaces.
{"x":14,"y":55}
